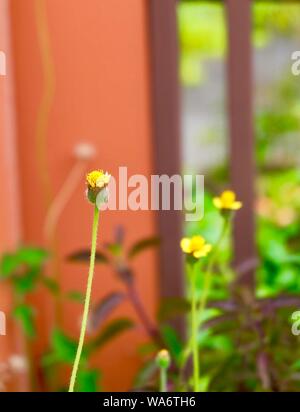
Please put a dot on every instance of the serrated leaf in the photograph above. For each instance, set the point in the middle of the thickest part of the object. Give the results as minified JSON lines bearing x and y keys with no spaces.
{"x":109,"y":332}
{"x":142,"y":245}
{"x":104,"y":308}
{"x":83,"y":256}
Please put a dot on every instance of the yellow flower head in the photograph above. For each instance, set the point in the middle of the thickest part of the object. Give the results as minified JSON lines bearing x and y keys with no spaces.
{"x":227,"y":201}
{"x":195,"y":246}
{"x":97,"y":179}
{"x":163,"y":359}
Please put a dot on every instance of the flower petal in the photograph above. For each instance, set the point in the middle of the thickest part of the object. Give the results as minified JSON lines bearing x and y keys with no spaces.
{"x":228,"y":196}
{"x":207,"y":248}
{"x":185,"y":245}
{"x":236,"y":205}
{"x":198,"y":254}
{"x":197,"y":242}
{"x":217,"y":202}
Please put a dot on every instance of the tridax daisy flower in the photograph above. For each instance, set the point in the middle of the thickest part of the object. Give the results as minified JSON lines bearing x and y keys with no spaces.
{"x":195,"y":246}
{"x":97,"y":182}
{"x":97,"y":179}
{"x":227,"y":201}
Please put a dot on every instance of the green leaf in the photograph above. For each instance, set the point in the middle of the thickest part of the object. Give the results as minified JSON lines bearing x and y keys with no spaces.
{"x":32,"y":256}
{"x":8,"y":264}
{"x":29,"y":256}
{"x":109,"y":332}
{"x":27,"y":282}
{"x":87,"y":381}
{"x":173,"y":342}
{"x":25,"y":314}
{"x":84,"y":256}
{"x":64,"y":348}
{"x":142,"y":245}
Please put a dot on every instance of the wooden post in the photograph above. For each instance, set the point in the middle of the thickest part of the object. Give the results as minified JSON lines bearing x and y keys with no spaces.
{"x":166,"y":114}
{"x":242,"y":145}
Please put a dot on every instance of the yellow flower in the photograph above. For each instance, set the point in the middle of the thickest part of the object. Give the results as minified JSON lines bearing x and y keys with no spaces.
{"x":195,"y":246}
{"x":227,"y":201}
{"x":97,"y":179}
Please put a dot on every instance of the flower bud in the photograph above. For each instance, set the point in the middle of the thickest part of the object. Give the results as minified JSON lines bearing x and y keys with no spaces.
{"x":163,"y":359}
{"x":97,"y":192}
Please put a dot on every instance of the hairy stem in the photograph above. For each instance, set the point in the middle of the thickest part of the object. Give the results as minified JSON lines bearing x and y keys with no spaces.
{"x":208,"y":273}
{"x":163,"y":380}
{"x":87,"y":300}
{"x":195,"y":333}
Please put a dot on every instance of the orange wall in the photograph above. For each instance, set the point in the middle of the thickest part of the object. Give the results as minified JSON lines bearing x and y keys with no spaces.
{"x":9,"y":197}
{"x":101,"y":95}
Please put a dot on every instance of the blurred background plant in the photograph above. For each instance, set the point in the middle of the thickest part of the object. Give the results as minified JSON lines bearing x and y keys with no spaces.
{"x":255,"y":349}
{"x":24,"y":271}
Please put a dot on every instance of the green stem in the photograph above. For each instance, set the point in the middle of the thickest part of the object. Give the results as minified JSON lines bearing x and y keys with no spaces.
{"x":163,"y":380}
{"x":195,"y":333}
{"x":208,"y":273}
{"x":87,"y":300}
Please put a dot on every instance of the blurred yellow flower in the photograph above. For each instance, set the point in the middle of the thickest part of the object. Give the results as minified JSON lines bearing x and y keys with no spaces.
{"x":227,"y":201}
{"x":195,"y":246}
{"x":97,"y":179}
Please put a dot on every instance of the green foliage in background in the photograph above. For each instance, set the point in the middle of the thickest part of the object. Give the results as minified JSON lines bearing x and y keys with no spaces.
{"x":24,"y":270}
{"x":203,"y":33}
{"x":256,"y":349}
